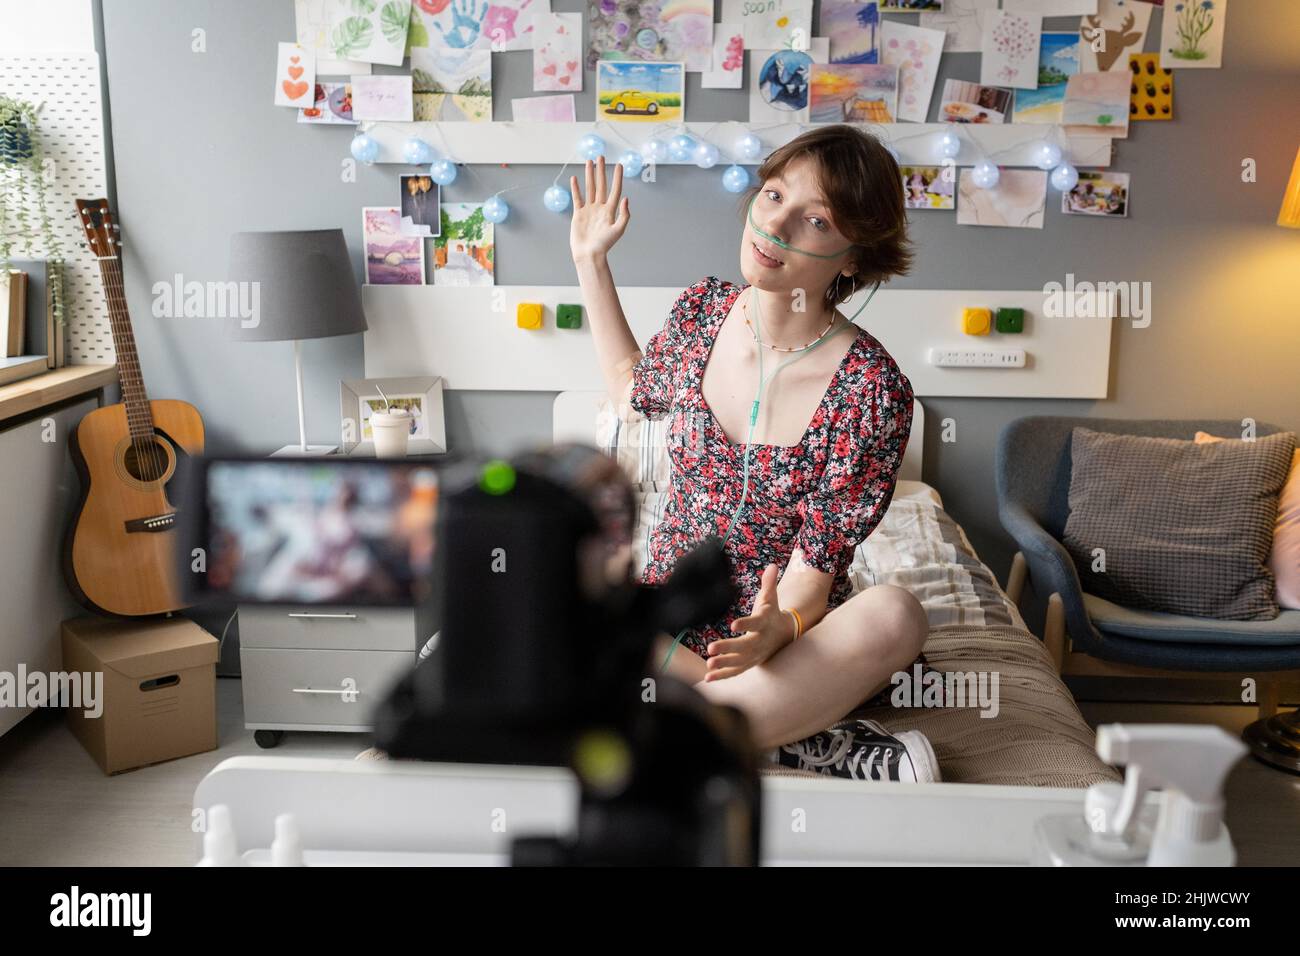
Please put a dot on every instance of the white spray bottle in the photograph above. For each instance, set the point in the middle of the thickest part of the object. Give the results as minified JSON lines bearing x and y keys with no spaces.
{"x":1190,"y":763}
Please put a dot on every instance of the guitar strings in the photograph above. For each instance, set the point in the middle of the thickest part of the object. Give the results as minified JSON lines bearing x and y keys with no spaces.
{"x":147,"y":452}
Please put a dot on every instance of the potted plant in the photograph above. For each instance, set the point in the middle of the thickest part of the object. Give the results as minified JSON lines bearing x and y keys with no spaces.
{"x":24,"y":207}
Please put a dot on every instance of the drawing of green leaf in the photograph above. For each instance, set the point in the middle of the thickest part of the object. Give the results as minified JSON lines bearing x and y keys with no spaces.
{"x":363,"y":6}
{"x":417,"y":35}
{"x":394,"y":20}
{"x":351,"y":36}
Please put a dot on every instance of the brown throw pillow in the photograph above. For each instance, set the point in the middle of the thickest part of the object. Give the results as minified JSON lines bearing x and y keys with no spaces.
{"x":1182,"y":527}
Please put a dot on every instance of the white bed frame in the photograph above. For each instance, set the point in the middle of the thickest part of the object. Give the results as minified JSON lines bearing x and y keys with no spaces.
{"x":367,"y":812}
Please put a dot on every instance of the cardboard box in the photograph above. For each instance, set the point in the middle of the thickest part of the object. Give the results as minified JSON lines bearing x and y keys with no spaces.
{"x":159,"y":689}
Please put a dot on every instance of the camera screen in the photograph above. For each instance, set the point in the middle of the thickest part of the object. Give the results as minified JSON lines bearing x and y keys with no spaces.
{"x":305,"y":532}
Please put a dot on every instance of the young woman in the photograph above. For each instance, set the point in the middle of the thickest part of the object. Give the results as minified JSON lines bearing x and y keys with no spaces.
{"x":798,"y":650}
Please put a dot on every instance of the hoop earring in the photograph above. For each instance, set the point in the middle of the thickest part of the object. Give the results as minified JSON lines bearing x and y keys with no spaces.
{"x":837,"y":298}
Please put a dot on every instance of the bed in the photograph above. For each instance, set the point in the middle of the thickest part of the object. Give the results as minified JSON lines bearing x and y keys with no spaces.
{"x":1036,"y":737}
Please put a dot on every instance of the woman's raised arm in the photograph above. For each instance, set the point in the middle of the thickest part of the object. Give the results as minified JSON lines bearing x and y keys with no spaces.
{"x":599,"y":221}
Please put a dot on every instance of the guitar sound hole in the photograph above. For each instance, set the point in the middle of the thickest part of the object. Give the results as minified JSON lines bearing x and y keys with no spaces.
{"x":146,"y":461}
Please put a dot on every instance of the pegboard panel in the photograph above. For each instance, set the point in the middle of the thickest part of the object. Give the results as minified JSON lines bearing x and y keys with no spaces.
{"x":72,"y":141}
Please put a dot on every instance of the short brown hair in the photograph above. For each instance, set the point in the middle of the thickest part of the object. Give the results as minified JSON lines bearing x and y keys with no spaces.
{"x":864,"y":188}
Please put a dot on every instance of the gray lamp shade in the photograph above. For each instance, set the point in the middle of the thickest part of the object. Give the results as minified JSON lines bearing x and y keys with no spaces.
{"x":306,"y":288}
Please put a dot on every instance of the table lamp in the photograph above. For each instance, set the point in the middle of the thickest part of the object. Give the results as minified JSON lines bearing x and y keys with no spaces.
{"x":306,"y":290}
{"x":1290,"y":214}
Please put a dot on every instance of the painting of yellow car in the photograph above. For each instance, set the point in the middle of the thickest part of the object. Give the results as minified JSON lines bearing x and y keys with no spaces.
{"x":634,"y":101}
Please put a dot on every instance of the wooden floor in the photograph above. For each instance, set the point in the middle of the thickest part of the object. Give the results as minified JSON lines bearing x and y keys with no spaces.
{"x":57,"y":808}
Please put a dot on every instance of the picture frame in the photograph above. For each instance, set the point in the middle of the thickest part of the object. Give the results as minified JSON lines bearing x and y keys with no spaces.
{"x":422,"y":394}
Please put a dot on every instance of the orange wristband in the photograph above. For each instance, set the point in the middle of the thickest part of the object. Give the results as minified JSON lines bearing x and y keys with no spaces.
{"x":798,"y":622}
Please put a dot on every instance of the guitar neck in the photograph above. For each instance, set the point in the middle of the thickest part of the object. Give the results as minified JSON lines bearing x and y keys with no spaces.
{"x":138,"y":415}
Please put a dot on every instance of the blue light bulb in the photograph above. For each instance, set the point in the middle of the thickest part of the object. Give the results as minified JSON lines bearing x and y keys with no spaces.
{"x":591,"y":147}
{"x":749,"y":147}
{"x":1047,"y":155}
{"x":632,"y":163}
{"x":654,"y":151}
{"x":495,"y":209}
{"x":365,"y":149}
{"x":706,"y":156}
{"x":735,"y":179}
{"x":1065,"y":177}
{"x":556,"y":199}
{"x":443,"y":172}
{"x":417,"y":152}
{"x":680,"y":148}
{"x":985,"y":175}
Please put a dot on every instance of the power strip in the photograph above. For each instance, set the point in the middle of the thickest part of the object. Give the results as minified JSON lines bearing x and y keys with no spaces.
{"x":977,"y":358}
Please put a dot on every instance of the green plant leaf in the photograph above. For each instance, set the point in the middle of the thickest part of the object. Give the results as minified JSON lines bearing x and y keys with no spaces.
{"x":394,"y":19}
{"x":363,"y":6}
{"x":351,"y":37}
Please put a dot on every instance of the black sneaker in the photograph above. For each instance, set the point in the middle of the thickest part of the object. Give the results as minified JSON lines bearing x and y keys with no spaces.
{"x":863,"y":750}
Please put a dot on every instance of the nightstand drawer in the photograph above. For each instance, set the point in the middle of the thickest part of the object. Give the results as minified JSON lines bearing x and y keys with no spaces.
{"x":334,"y":689}
{"x":340,"y":629}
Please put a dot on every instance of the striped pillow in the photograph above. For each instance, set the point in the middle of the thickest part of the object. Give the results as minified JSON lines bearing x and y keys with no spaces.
{"x":639,"y":445}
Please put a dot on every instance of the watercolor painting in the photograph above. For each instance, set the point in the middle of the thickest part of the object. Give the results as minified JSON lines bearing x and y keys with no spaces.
{"x":495,"y":25}
{"x":853,"y":93}
{"x":391,"y":258}
{"x":295,"y":76}
{"x":962,"y":21}
{"x":916,"y":52}
{"x":1051,"y":8}
{"x":382,"y":99}
{"x":649,"y":31}
{"x":771,"y":24}
{"x":632,"y":92}
{"x":929,"y":187}
{"x":1191,"y":34}
{"x":1010,"y":50}
{"x":1151,"y":95}
{"x":1018,"y":201}
{"x":964,"y":102}
{"x":1058,"y":60}
{"x":333,"y":105}
{"x":557,"y":108}
{"x":464,"y":252}
{"x":421,"y":204}
{"x":1098,"y":193}
{"x":853,"y":28}
{"x":728,"y":72}
{"x":312,"y":23}
{"x":779,"y":85}
{"x":1097,"y":103}
{"x":452,"y":85}
{"x":557,"y":52}
{"x":1118,"y":28}
{"x":373,"y":31}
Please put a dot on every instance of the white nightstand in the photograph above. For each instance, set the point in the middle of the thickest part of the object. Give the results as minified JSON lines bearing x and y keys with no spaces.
{"x":323,"y":668}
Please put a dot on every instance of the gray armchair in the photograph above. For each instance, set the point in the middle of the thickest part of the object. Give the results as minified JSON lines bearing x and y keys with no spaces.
{"x":1033,"y":483}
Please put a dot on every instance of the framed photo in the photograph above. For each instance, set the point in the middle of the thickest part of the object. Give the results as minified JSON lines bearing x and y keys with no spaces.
{"x":359,"y":398}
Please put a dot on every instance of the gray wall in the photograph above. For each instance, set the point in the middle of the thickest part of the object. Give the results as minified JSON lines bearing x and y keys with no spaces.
{"x":201,"y":153}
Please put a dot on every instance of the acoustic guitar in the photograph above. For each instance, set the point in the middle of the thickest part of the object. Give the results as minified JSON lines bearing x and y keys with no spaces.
{"x":118,"y":557}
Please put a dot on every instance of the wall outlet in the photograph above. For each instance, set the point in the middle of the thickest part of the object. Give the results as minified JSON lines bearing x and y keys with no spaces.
{"x":977,"y":358}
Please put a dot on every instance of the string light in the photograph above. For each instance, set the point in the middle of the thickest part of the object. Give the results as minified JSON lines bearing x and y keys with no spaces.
{"x":417,"y":152}
{"x":681,"y":147}
{"x":591,"y":147}
{"x":735,"y":179}
{"x":748,"y":147}
{"x":443,"y":172}
{"x":365,"y":148}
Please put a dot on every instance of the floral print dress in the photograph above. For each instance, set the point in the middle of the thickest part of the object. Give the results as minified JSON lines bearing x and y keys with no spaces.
{"x":824,"y":495}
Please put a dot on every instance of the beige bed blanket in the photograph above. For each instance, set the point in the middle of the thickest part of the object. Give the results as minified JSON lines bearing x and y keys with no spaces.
{"x":1037,"y":737}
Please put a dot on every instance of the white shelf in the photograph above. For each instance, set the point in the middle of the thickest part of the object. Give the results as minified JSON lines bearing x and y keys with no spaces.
{"x":555,"y":143}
